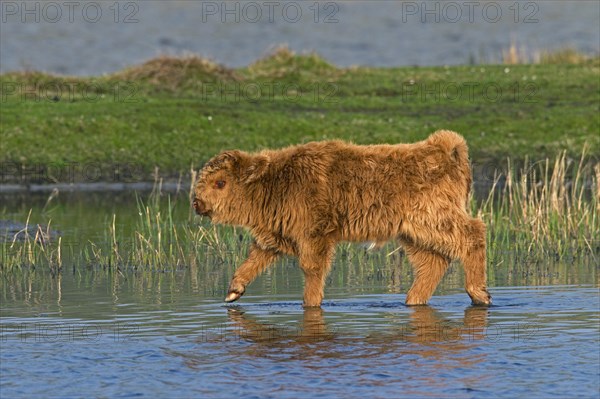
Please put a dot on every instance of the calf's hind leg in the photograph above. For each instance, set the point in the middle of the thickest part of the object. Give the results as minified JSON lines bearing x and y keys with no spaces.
{"x":429,"y":267}
{"x":465,"y":240}
{"x":474,"y":261}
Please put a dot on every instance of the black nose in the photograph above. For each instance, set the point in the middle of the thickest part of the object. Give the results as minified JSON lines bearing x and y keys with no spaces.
{"x":196,"y":205}
{"x":200,"y":207}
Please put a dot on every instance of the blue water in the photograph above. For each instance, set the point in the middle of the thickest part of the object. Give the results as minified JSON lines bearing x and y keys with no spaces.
{"x":100,"y":37}
{"x":100,"y":338}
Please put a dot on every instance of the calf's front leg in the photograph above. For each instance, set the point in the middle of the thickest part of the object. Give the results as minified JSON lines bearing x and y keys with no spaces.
{"x":258,"y":260}
{"x":315,"y":262}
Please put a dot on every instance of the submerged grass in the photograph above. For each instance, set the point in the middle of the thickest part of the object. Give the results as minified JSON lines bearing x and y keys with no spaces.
{"x":31,"y":248}
{"x":546,"y":210}
{"x":537,"y":215}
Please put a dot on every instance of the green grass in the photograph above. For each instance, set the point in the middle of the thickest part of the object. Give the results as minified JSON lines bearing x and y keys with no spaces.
{"x":173,"y":113}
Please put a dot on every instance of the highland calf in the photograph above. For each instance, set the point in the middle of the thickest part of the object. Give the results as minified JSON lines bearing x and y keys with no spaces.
{"x":303,"y":200}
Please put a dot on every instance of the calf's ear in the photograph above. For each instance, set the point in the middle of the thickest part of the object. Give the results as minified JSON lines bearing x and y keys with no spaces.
{"x":230,"y":158}
{"x":225,"y":160}
{"x":256,"y":168}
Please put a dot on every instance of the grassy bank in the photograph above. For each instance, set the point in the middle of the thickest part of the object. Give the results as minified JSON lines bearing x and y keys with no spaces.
{"x":173,"y":113}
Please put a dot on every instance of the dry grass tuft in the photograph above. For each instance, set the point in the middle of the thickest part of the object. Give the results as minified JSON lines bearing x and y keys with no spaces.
{"x":516,"y":54}
{"x":563,"y":56}
{"x":173,"y":73}
{"x":285,"y":63}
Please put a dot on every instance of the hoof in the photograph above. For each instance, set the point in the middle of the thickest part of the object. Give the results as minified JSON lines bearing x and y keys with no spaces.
{"x":232,"y":296}
{"x":309,"y":307}
{"x":482,"y":298}
{"x":481,"y":303}
{"x":313,"y":303}
{"x":413,"y":300}
{"x":412,"y":304}
{"x":235,"y":290}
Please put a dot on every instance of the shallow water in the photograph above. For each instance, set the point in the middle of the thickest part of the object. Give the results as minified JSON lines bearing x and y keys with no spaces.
{"x":97,"y":334}
{"x":102,"y":333}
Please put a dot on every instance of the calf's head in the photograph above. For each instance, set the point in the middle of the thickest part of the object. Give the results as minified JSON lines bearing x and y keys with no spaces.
{"x":221,"y":192}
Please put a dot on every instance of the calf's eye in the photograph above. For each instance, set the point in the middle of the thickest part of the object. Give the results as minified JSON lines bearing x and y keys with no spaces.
{"x":220,"y":184}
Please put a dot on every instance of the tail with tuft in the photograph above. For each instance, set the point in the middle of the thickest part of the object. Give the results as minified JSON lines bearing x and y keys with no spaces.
{"x":456,"y":147}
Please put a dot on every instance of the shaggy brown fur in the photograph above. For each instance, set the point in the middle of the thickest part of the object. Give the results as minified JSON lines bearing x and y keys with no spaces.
{"x":303,"y":200}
